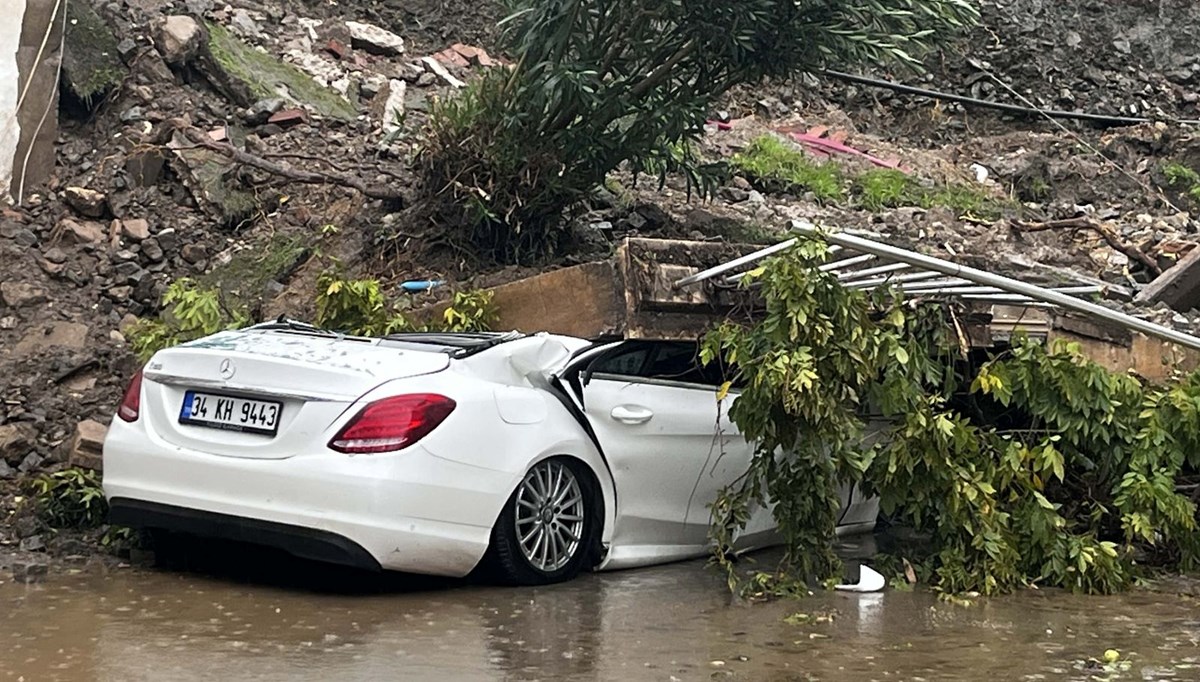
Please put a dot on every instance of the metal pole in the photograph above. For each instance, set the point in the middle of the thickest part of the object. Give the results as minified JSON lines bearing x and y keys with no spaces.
{"x":935,"y":284}
{"x":1000,"y":281}
{"x":834,"y":265}
{"x":846,"y":262}
{"x":898,"y":279}
{"x":735,"y":263}
{"x":868,"y":272}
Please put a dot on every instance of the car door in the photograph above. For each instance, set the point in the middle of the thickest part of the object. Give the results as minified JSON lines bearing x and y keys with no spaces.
{"x":657,"y":427}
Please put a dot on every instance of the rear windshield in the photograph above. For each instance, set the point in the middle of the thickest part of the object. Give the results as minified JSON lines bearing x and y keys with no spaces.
{"x":454,"y":344}
{"x":458,"y":345}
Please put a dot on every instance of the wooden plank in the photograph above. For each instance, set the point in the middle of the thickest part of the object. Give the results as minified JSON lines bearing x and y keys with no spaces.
{"x":1178,"y":287}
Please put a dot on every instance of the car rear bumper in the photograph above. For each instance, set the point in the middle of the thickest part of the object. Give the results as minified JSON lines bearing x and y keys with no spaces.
{"x":408,"y":511}
{"x":297,"y":540}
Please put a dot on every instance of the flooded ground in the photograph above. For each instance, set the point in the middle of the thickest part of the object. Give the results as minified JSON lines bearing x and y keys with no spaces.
{"x":288,"y":620}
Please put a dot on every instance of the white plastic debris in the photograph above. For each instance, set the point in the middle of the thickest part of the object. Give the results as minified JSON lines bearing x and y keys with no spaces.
{"x":869,"y":580}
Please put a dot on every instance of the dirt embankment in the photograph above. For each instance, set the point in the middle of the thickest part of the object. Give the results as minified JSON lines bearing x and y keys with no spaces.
{"x":140,"y":198}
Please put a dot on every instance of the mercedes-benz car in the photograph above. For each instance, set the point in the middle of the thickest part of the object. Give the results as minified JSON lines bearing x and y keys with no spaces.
{"x":530,"y":456}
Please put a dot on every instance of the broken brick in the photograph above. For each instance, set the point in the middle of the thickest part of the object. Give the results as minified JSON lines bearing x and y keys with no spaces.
{"x":288,"y":117}
{"x":451,"y":57}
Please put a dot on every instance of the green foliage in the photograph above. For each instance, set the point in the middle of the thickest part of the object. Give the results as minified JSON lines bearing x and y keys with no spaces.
{"x":779,"y":165}
{"x":358,"y":306}
{"x":1183,"y":177}
{"x":191,"y":311}
{"x":774,"y":162}
{"x":469,"y":311}
{"x":353,"y":306}
{"x":600,"y":84}
{"x":71,"y":498}
{"x":1069,"y":499}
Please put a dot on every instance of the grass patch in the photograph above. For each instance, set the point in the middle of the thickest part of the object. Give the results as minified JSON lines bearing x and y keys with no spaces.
{"x":254,"y":75}
{"x":247,"y":273}
{"x":1183,"y":178}
{"x":778,"y":166}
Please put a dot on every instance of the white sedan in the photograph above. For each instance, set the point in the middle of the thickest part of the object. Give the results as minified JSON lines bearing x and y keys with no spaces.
{"x":533,"y":456}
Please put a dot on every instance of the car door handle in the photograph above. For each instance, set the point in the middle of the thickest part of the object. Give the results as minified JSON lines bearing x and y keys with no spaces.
{"x":631,"y":414}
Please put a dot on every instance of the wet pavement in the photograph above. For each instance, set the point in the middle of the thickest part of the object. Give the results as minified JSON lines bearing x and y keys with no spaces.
{"x":250,"y":618}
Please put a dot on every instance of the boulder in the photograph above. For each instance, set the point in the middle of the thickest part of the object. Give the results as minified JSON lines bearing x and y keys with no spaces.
{"x":246,"y":76}
{"x":179,"y":38}
{"x":371,"y":38}
{"x":87,"y":445}
{"x":91,"y":64}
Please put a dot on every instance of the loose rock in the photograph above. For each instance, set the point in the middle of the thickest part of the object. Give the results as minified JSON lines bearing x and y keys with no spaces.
{"x":15,"y":441}
{"x":136,"y":229}
{"x":389,"y":105}
{"x":88,"y":444}
{"x":179,"y":38}
{"x":75,"y":232}
{"x":374,"y":39}
{"x":86,"y":202}
{"x":21,"y":294}
{"x":29,"y":572}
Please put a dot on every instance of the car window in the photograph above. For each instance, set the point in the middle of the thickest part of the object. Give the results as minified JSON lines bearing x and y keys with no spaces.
{"x":676,"y":361}
{"x":628,"y":361}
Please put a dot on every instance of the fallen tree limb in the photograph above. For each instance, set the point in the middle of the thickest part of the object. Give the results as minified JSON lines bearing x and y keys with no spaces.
{"x":311,"y":177}
{"x":1104,"y":230}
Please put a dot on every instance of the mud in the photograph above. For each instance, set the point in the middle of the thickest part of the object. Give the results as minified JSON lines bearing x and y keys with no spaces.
{"x":249,"y":616}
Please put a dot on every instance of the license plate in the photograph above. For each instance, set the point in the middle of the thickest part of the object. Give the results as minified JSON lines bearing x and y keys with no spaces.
{"x":230,"y":413}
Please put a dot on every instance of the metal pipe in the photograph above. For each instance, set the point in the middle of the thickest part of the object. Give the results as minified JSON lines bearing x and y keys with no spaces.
{"x":936,"y":284}
{"x":846,"y":262}
{"x":735,"y":263}
{"x":980,"y":289}
{"x":868,"y":272}
{"x":1011,"y":285}
{"x":733,"y":279}
{"x":898,"y":279}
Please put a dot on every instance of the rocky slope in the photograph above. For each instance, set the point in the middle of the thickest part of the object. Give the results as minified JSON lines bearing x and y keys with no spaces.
{"x":328,"y":97}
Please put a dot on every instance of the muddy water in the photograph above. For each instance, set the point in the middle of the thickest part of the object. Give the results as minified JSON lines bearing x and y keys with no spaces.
{"x":287,"y":621}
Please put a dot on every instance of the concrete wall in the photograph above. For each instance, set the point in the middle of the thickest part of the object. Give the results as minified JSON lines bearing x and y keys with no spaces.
{"x":30,"y":53}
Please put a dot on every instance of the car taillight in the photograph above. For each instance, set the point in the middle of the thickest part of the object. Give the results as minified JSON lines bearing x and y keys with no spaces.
{"x":131,"y":404}
{"x":393,"y":423}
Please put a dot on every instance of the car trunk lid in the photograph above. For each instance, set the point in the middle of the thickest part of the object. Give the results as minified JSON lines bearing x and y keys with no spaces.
{"x":268,"y":394}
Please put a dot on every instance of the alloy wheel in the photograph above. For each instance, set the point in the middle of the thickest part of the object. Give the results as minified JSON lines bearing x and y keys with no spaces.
{"x":549,"y":516}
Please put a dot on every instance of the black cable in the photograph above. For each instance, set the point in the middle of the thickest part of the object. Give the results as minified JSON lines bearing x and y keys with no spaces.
{"x":1104,"y":119}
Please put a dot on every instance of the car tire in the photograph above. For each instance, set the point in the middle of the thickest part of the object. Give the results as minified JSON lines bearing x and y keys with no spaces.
{"x":547,"y":531}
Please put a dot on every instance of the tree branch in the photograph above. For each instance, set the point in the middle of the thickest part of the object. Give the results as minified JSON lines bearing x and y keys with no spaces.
{"x":315,"y":177}
{"x":1104,"y":230}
